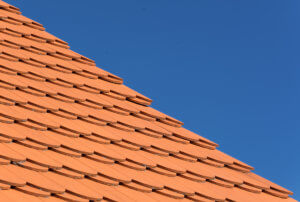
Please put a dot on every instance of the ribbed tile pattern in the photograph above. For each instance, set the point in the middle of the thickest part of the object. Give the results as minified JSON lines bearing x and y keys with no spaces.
{"x":70,"y":131}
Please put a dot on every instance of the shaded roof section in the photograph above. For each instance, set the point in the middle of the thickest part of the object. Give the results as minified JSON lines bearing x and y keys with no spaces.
{"x":72,"y":131}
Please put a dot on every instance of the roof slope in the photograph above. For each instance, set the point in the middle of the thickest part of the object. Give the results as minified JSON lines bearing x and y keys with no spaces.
{"x":72,"y":131}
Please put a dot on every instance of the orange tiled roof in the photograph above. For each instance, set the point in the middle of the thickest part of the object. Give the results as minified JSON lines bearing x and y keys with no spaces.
{"x":72,"y":131}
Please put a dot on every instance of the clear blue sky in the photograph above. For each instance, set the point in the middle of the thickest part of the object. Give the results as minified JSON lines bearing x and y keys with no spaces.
{"x":228,"y":69}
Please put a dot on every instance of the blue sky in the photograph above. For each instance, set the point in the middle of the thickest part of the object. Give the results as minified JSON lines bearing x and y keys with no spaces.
{"x":228,"y":69}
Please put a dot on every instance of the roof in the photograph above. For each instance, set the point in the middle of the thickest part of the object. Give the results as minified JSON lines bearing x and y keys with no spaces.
{"x":72,"y":131}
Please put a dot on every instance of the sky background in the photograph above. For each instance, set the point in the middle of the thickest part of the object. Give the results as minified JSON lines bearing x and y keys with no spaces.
{"x":228,"y":69}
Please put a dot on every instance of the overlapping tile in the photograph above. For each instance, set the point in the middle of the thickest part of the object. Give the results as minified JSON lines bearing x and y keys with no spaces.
{"x":70,"y":131}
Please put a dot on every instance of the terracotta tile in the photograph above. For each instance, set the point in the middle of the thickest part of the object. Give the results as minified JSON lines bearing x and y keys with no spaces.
{"x":8,"y":7}
{"x":74,"y":187}
{"x":16,"y":17}
{"x":106,"y":150}
{"x":41,"y":137}
{"x":4,"y":161}
{"x":127,"y":145}
{"x":199,"y":198}
{"x":42,"y":119}
{"x":67,"y":197}
{"x":290,"y":200}
{"x":198,"y":169}
{"x":71,"y":163}
{"x":103,"y":180}
{"x":12,"y":112}
{"x":4,"y":186}
{"x":184,"y":157}
{"x":160,"y":197}
{"x":134,"y":195}
{"x":249,"y":188}
{"x":33,"y":125}
{"x":164,"y":163}
{"x":176,"y":139}
{"x":11,"y":131}
{"x":165,"y":145}
{"x":33,"y":107}
{"x":156,"y":152}
{"x":6,"y":70}
{"x":32,"y":166}
{"x":18,"y":196}
{"x":171,"y":194}
{"x":193,"y":177}
{"x":122,"y":127}
{"x":73,"y":144}
{"x":136,"y":139}
{"x":73,"y":131}
{"x":32,"y":144}
{"x":9,"y":154}
{"x":140,"y":157}
{"x":97,"y":139}
{"x":115,"y":95}
{"x":155,"y":128}
{"x":242,"y":166}
{"x":16,"y":67}
{"x":14,"y":54}
{"x":142,"y":116}
{"x":99,"y":85}
{"x":15,"y":41}
{"x":211,"y":191}
{"x":122,"y":105}
{"x":90,"y":104}
{"x":112,"y":78}
{"x":204,"y":145}
{"x":41,"y":87}
{"x":100,"y":159}
{"x":94,"y":71}
{"x":222,"y":174}
{"x":70,"y":197}
{"x":66,"y":152}
{"x":271,"y":184}
{"x":193,"y":151}
{"x":64,"y":115}
{"x":171,"y":121}
{"x":9,"y":177}
{"x":109,"y":193}
{"x":102,"y":115}
{"x":73,"y":126}
{"x":148,"y":111}
{"x":4,"y":101}
{"x":222,"y":183}
{"x":33,"y":92}
{"x":138,"y":187}
{"x":186,"y":134}
{"x":129,"y":121}
{"x":141,"y":177}
{"x":247,"y":179}
{"x":109,"y":133}
{"x":68,"y":173}
{"x":267,"y":197}
{"x":171,"y":183}
{"x":276,"y":193}
{"x":33,"y":191}
{"x":107,"y":170}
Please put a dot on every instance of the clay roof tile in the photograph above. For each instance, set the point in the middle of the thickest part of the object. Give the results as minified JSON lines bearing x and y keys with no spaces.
{"x":71,"y":131}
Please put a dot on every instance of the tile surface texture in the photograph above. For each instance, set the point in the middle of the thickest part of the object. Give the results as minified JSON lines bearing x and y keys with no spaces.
{"x":70,"y":131}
